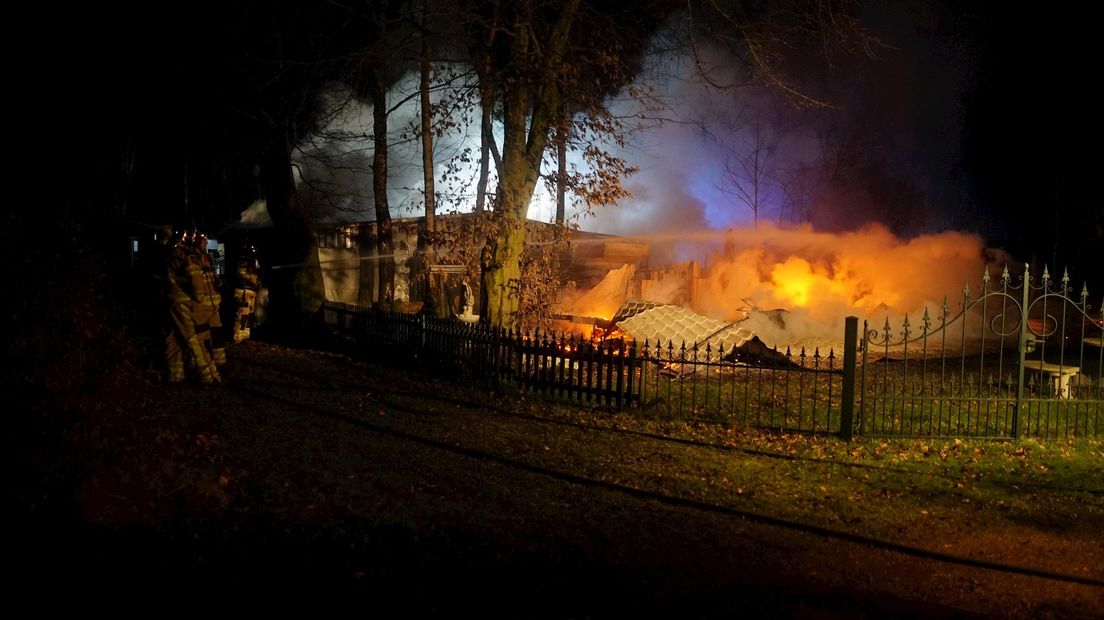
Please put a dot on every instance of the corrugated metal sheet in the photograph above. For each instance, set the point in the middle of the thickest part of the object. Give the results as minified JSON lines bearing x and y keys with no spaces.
{"x":665,"y":323}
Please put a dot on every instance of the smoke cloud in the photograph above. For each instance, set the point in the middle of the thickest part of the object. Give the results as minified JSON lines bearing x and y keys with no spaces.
{"x":868,"y":271}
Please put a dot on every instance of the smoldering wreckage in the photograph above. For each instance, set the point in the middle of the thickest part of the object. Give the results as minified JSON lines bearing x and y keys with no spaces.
{"x":609,"y":287}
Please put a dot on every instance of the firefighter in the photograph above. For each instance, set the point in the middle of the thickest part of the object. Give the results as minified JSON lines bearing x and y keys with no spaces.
{"x":205,"y":287}
{"x":153,"y":269}
{"x":245,"y":293}
{"x":183,"y":350}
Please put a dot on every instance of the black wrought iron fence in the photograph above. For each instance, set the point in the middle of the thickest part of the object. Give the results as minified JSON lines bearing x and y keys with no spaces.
{"x":800,"y":392}
{"x":1018,"y":360}
{"x":788,"y":391}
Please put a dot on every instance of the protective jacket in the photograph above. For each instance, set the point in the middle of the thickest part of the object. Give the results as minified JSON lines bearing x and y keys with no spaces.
{"x":183,"y":349}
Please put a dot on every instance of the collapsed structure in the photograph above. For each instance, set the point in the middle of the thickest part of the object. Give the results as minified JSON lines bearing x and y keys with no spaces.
{"x":607,"y":285}
{"x":674,"y":328}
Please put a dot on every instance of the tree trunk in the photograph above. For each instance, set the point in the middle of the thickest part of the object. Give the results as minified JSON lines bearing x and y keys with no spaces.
{"x":292,"y":241}
{"x":430,"y":290}
{"x":486,"y":134}
{"x":385,"y":291}
{"x":486,"y":106}
{"x":427,"y":134}
{"x":524,"y":144}
{"x":561,"y":173}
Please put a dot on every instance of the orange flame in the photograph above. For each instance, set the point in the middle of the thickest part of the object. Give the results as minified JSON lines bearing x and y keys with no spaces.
{"x":819,"y":278}
{"x":832,"y":275}
{"x":606,"y":297}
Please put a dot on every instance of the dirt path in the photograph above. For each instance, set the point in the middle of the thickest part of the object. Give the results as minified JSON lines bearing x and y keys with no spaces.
{"x":309,"y":471}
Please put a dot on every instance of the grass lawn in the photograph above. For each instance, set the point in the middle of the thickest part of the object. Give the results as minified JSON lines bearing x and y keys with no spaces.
{"x":314,"y":467}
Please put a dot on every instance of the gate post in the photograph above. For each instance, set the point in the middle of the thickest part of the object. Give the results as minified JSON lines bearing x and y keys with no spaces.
{"x":847,"y":406}
{"x":1023,"y":352}
{"x":422,"y":352}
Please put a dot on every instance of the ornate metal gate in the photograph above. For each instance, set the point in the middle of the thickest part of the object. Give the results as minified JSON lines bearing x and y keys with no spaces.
{"x":1020,"y":359}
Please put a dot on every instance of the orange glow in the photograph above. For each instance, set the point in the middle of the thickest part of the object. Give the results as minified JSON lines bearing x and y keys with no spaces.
{"x":864,"y":272}
{"x":816,"y":278}
{"x":606,"y":297}
{"x":794,"y":280}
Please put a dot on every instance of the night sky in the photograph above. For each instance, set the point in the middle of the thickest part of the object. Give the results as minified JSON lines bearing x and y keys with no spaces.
{"x":985,"y":111}
{"x":1003,"y":129}
{"x":1031,"y":135}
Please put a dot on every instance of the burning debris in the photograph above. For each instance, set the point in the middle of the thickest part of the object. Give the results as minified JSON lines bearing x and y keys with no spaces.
{"x":677,"y":330}
{"x":792,"y":287}
{"x":673,"y":331}
{"x":673,"y":325}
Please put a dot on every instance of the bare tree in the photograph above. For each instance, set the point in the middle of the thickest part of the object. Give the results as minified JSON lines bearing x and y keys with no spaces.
{"x":486,"y":22}
{"x":799,"y":184}
{"x":386,"y":249}
{"x":561,"y":172}
{"x":427,"y":124}
{"x":750,"y":170}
